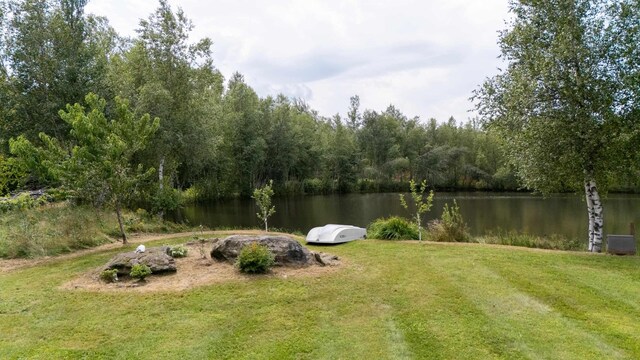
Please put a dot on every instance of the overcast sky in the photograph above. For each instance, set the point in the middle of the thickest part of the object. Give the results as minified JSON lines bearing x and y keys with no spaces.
{"x":423,"y":56}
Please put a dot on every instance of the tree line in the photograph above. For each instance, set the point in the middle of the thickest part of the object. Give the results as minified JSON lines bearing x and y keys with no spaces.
{"x":216,"y":137}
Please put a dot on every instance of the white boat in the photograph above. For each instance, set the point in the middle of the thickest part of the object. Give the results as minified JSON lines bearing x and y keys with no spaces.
{"x":335,"y":234}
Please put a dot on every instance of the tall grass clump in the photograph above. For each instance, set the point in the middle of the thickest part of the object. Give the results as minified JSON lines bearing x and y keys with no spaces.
{"x":51,"y":230}
{"x":450,"y":227}
{"x":58,"y":228}
{"x":514,"y":238}
{"x":392,"y":228}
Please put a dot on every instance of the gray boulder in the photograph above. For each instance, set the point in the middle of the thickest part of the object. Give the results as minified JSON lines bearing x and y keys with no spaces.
{"x":156,"y":258}
{"x":287,"y":251}
{"x":324,"y":259}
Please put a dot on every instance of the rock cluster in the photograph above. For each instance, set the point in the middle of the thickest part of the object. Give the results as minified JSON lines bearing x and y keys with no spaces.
{"x":287,"y":251}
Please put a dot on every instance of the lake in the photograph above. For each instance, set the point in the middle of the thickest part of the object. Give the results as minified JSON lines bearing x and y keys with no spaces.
{"x":483,"y":212}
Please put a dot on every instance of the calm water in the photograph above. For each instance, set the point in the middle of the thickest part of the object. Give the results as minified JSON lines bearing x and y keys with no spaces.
{"x":483,"y":212}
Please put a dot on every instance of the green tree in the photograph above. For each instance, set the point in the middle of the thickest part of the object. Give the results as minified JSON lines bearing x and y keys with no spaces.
{"x":169,"y":76}
{"x":340,"y":156}
{"x":54,"y":55}
{"x":244,"y":143}
{"x":421,"y":202}
{"x":557,"y":103}
{"x":99,"y":166}
{"x":262,"y":196}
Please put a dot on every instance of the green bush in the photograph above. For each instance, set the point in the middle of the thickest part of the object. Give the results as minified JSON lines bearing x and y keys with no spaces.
{"x":23,"y":201}
{"x":109,"y":275}
{"x":140,"y":271}
{"x":178,"y":251}
{"x":12,"y":175}
{"x":393,"y":228}
{"x":255,"y":259}
{"x":450,"y":227}
{"x":166,"y":199}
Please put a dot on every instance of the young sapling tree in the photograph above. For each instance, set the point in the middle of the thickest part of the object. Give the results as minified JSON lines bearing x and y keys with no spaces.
{"x":262,"y":196}
{"x":421,"y":201}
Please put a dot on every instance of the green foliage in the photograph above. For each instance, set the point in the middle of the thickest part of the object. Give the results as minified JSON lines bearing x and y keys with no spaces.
{"x":12,"y":174}
{"x":178,"y":251}
{"x":22,"y":201}
{"x":109,"y":275}
{"x":166,"y":199}
{"x":558,"y":104}
{"x":262,"y":196}
{"x":140,"y":271}
{"x":392,"y":228}
{"x":255,"y":259}
{"x":421,"y":202}
{"x":451,"y":227}
{"x":54,"y":55}
{"x":100,"y":166}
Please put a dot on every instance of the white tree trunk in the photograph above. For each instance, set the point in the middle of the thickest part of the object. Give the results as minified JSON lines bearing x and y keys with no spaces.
{"x":161,"y":182}
{"x":161,"y":173}
{"x":596,"y":220}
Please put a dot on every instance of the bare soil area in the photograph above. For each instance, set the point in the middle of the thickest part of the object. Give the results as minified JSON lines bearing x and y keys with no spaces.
{"x":7,"y":265}
{"x":196,"y":269}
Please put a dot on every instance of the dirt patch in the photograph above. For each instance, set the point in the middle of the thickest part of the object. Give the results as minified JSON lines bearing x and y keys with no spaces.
{"x":7,"y":265}
{"x":193,"y":271}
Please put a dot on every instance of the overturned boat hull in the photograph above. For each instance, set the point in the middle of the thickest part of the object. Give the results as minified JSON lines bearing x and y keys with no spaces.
{"x":335,"y":234}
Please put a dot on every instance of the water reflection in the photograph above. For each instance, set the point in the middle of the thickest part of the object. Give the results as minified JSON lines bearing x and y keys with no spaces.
{"x":483,"y":212}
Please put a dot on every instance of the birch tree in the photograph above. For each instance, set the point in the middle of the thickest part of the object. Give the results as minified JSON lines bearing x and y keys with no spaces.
{"x":421,"y":202}
{"x":559,"y":101}
{"x":262,"y":196}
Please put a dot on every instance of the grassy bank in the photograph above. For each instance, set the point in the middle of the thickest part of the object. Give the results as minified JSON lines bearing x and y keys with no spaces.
{"x":390,"y":300}
{"x":59,"y":228}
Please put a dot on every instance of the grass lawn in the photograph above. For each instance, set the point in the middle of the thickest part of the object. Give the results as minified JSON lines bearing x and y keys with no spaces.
{"x":390,"y":300}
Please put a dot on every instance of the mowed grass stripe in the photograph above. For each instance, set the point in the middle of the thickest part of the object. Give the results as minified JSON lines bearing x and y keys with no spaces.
{"x":526,"y":320}
{"x":573,"y":291}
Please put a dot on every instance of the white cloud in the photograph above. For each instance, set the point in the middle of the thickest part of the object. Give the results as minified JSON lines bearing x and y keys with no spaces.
{"x":425,"y":57}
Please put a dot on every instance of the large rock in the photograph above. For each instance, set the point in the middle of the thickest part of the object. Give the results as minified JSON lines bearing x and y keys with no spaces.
{"x":156,"y":258}
{"x":287,"y":251}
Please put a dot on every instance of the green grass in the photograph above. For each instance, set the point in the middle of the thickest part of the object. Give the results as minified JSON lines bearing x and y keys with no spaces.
{"x":60,"y":228}
{"x":392,"y":300}
{"x":514,"y":238}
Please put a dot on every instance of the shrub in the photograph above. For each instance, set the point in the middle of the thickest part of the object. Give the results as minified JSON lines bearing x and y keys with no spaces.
{"x":140,"y":271}
{"x":109,"y":275}
{"x":393,"y":228}
{"x":178,"y":251}
{"x":23,"y":201}
{"x":451,"y":226}
{"x":255,"y":259}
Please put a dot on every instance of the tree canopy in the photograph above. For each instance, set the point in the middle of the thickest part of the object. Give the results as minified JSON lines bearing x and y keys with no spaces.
{"x":560,"y":102}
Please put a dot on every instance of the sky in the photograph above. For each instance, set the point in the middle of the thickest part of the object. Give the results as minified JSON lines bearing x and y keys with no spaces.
{"x":423,"y":56}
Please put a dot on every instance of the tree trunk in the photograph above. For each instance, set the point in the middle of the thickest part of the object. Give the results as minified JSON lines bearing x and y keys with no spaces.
{"x":161,"y":183}
{"x":119,"y":213}
{"x":596,"y":220}
{"x":419,"y":228}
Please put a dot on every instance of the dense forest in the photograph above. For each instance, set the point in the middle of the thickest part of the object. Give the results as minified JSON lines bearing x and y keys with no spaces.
{"x":216,"y":137}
